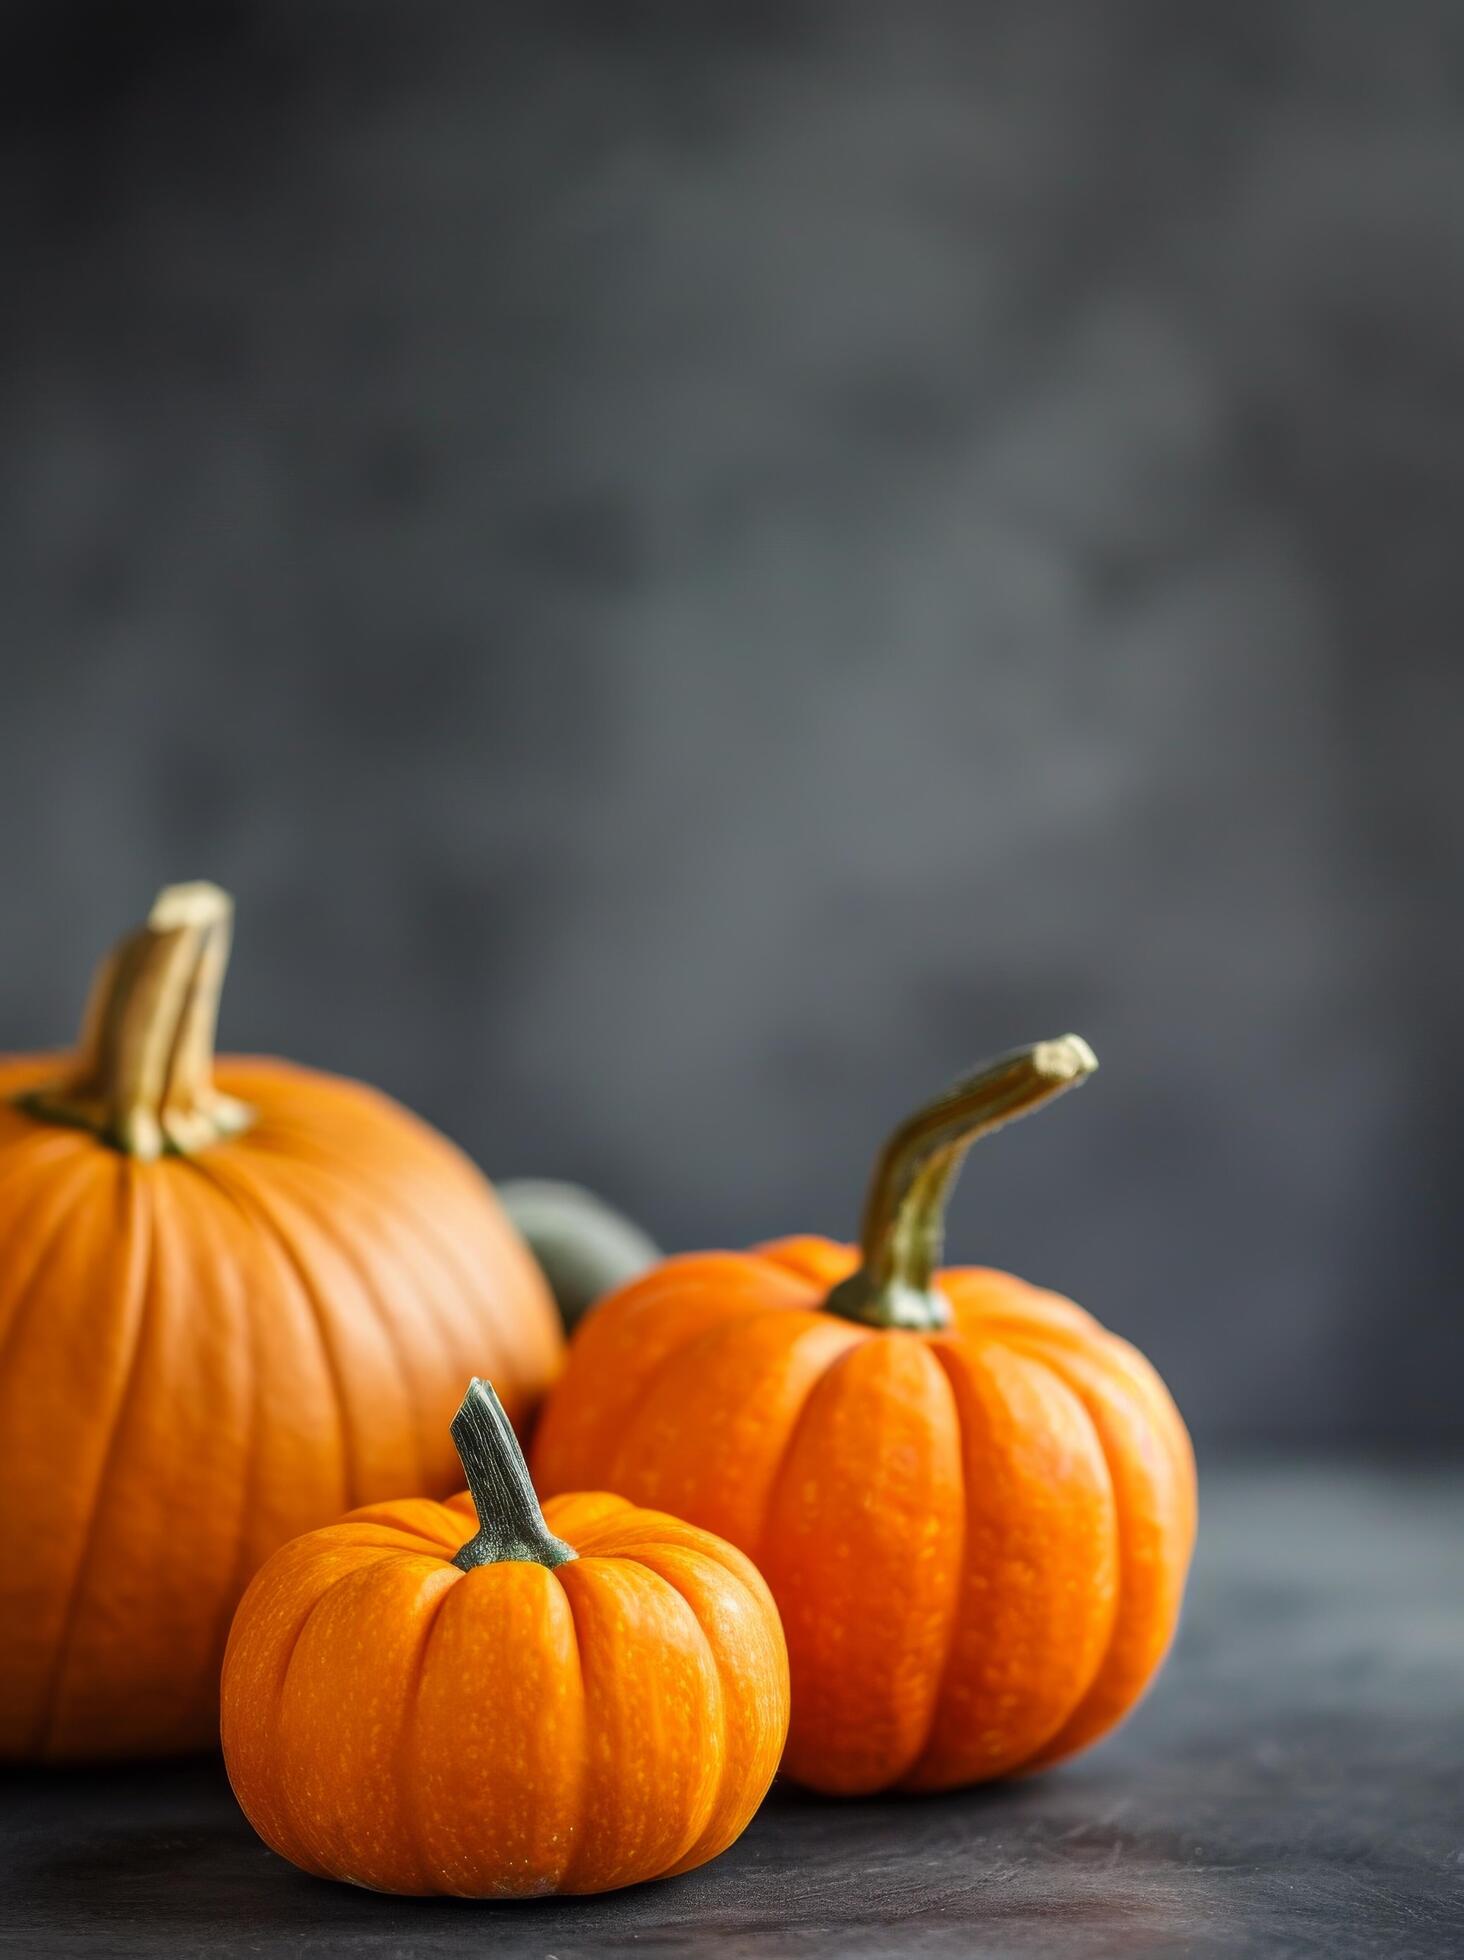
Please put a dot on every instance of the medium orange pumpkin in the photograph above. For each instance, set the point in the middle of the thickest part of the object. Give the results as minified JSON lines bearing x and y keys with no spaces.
{"x":569,"y":1701}
{"x":229,"y":1310}
{"x":973,"y":1505}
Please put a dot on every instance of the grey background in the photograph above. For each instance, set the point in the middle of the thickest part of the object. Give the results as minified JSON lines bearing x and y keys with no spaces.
{"x":697,"y":569}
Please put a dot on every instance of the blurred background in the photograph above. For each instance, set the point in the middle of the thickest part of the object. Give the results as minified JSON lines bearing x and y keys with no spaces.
{"x":698,"y":570}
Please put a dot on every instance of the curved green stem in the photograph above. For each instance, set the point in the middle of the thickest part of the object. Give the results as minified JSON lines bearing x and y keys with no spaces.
{"x":510,"y":1523}
{"x":904,"y":1215}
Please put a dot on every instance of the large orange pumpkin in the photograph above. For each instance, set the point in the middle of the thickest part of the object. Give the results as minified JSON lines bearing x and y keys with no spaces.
{"x":973,"y":1505}
{"x":230,"y":1309}
{"x":564,"y":1701}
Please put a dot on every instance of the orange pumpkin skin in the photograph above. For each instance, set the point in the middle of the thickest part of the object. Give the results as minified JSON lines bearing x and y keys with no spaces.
{"x":973,"y":1505}
{"x":201,"y":1357}
{"x":512,"y":1730}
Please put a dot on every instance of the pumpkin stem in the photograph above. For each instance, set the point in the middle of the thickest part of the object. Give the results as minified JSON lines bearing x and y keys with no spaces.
{"x":142,"y":1076}
{"x":510,"y":1523}
{"x":904,"y":1216}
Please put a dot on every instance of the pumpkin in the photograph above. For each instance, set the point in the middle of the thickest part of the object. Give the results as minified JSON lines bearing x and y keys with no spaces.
{"x":558,"y":1701}
{"x":233,"y":1304}
{"x":585,"y":1247}
{"x":974,"y":1506}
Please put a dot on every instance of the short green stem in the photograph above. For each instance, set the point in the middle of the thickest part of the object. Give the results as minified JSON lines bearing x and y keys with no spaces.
{"x":904,"y":1216}
{"x":510,"y":1523}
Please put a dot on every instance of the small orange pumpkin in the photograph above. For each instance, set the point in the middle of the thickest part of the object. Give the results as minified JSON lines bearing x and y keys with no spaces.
{"x":229,"y":1310}
{"x":569,"y":1701}
{"x":973,"y":1505}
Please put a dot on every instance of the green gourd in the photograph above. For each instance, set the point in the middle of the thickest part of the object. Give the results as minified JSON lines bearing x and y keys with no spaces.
{"x":585,"y":1247}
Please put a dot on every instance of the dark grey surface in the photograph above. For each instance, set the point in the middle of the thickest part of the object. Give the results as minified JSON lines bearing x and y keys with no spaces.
{"x":1293,"y":1787}
{"x":700,"y":568}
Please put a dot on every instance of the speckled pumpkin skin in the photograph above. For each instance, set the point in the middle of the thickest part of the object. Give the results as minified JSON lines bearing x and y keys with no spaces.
{"x":511,"y":1730}
{"x":977,"y":1537}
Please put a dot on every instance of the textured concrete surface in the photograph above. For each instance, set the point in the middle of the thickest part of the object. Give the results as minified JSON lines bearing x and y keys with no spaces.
{"x":698,"y":569}
{"x":1291,"y":1789}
